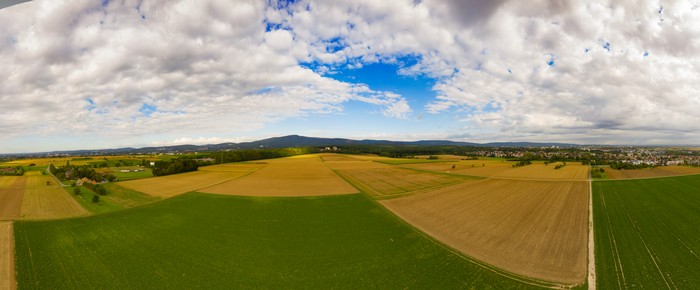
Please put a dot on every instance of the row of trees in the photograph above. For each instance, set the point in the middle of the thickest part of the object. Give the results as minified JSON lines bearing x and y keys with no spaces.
{"x":73,"y":172}
{"x":174,"y":166}
{"x":12,"y":171}
{"x":258,"y":154}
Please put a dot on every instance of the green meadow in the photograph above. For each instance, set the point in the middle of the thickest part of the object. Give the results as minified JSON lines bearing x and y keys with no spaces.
{"x":647,"y":233}
{"x":209,"y":241}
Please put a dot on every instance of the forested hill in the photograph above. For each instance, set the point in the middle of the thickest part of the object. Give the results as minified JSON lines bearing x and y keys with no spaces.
{"x":299,"y":141}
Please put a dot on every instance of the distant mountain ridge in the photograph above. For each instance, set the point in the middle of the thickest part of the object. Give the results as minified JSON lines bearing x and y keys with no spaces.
{"x":295,"y":141}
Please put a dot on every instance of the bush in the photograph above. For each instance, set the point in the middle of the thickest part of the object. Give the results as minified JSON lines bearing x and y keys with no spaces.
{"x":95,"y":198}
{"x":76,"y":190}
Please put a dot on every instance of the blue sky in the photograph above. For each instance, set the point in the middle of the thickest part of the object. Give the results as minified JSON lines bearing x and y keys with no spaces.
{"x":106,"y":74}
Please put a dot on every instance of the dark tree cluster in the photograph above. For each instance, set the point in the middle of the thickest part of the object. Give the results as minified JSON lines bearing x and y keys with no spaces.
{"x":12,"y":171}
{"x":73,"y":172}
{"x":174,"y":166}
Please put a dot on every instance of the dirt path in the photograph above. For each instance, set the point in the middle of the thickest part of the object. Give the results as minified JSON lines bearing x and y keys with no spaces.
{"x":591,"y":241}
{"x":7,"y":257}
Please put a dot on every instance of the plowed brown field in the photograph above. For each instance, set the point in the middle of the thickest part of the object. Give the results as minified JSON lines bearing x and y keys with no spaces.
{"x":7,"y":257}
{"x":660,"y":171}
{"x":302,"y":175}
{"x":532,"y":228}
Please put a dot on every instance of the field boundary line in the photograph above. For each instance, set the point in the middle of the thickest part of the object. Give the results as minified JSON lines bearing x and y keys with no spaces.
{"x":483,"y":265}
{"x":651,"y":177}
{"x":217,"y":183}
{"x":651,"y":255}
{"x":591,"y":237}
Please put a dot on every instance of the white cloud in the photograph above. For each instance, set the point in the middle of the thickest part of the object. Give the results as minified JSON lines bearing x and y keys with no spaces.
{"x":205,"y":67}
{"x":579,"y":71}
{"x":510,"y":70}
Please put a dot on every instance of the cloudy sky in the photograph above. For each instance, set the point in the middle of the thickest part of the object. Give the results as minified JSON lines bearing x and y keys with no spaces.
{"x":101,"y":74}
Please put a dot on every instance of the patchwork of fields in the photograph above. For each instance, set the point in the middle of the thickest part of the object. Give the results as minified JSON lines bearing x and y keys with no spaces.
{"x":532,"y":228}
{"x":573,"y":171}
{"x":647,"y":233}
{"x":510,"y":227}
{"x":304,"y":175}
{"x":662,"y":171}
{"x":35,"y":196}
{"x":215,"y":241}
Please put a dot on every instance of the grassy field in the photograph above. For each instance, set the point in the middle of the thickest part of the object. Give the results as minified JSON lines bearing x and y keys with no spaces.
{"x":647,"y":233}
{"x":304,"y":175}
{"x":125,"y":197}
{"x":661,"y":171}
{"x":85,"y":200}
{"x":532,"y":228}
{"x":216,"y":241}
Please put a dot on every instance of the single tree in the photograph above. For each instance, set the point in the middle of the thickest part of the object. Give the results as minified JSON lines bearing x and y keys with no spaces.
{"x":95,"y":198}
{"x":76,"y":190}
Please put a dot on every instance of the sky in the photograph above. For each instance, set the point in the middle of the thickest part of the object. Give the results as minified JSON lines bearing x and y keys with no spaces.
{"x":106,"y":74}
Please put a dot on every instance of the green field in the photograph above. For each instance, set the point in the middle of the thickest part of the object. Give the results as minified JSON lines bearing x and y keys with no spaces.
{"x":210,"y":241}
{"x":130,"y":175}
{"x":647,"y":233}
{"x":85,"y":200}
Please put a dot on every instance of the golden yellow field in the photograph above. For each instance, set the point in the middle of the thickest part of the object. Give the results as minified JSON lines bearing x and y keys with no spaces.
{"x":171,"y":185}
{"x":302,"y":175}
{"x":8,"y":181}
{"x":651,"y":172}
{"x":7,"y":257}
{"x":532,"y":228}
{"x":494,"y":168}
{"x":42,"y":201}
{"x":385,"y":180}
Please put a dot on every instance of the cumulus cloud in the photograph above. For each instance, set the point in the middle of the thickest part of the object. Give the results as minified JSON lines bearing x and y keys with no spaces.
{"x":136,"y":68}
{"x":590,"y":72}
{"x":601,"y":71}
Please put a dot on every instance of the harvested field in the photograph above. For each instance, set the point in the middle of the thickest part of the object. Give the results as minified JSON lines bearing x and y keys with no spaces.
{"x":8,"y":181}
{"x":661,"y":171}
{"x":302,"y":175}
{"x":7,"y":257}
{"x":391,"y":180}
{"x":171,"y":185}
{"x":536,"y":229}
{"x":337,"y":157}
{"x":494,"y":168}
{"x":11,"y":193}
{"x":467,"y":167}
{"x":10,"y":202}
{"x":234,"y":167}
{"x":49,"y":202}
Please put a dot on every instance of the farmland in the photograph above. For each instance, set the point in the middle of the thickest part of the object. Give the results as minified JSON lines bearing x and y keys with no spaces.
{"x":646,"y":233}
{"x":35,"y":196}
{"x":381,"y":180}
{"x":662,"y":171}
{"x":171,"y":185}
{"x":11,"y":193}
{"x":573,"y":171}
{"x":7,"y":261}
{"x":532,"y":228}
{"x":217,"y":241}
{"x":304,"y":175}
